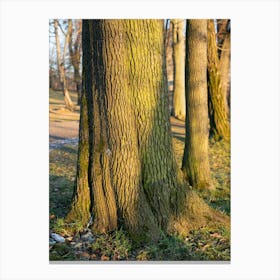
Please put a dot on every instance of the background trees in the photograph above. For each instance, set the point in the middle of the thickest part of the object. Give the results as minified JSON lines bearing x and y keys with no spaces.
{"x":60,"y":65}
{"x":65,"y":68}
{"x":179,"y":106}
{"x":223,"y":34}
{"x":75,"y":35}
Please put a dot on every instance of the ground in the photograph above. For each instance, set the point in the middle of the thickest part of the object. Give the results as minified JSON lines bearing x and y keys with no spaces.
{"x":81,"y":244}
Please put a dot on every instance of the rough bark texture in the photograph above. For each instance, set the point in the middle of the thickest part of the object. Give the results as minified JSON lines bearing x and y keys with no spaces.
{"x":219,"y":123}
{"x":61,"y":70}
{"x":129,"y":170}
{"x":179,"y":103}
{"x":195,"y":162}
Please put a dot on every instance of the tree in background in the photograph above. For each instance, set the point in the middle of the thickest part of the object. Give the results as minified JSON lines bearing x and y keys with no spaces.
{"x":169,"y":61}
{"x":51,"y":69}
{"x":195,"y":161}
{"x":61,"y":66}
{"x":179,"y":103}
{"x":75,"y":43}
{"x":223,"y":26}
{"x":127,"y":174}
{"x":219,"y":123}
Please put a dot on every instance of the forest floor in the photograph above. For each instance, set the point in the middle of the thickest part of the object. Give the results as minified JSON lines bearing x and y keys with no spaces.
{"x":206,"y":244}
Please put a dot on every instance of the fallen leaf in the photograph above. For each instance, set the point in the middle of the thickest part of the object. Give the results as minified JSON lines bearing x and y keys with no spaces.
{"x":217,"y":235}
{"x":85,"y":255}
{"x":104,"y":258}
{"x":93,"y":257}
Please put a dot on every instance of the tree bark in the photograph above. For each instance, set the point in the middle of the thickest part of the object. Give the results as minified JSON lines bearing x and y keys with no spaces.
{"x":61,"y":70}
{"x":179,"y":103}
{"x":195,"y":162}
{"x":219,"y":123}
{"x":127,"y":174}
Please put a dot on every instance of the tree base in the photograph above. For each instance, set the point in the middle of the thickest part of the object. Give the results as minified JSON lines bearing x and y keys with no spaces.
{"x":196,"y":214}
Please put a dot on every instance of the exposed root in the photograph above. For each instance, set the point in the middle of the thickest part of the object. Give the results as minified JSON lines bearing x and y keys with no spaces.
{"x":196,"y":214}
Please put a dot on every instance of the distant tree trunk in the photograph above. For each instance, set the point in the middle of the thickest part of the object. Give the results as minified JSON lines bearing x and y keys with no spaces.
{"x":179,"y":103}
{"x":51,"y":70}
{"x":195,"y":162}
{"x":219,"y":123}
{"x":50,"y":79}
{"x":75,"y":56}
{"x":225,"y":68}
{"x":61,"y":70}
{"x":127,"y":174}
{"x":169,"y":63}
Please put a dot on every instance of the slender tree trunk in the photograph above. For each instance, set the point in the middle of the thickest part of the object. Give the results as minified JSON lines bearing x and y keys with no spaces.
{"x":61,"y":70}
{"x":195,"y":162}
{"x":75,"y":56}
{"x":127,"y":174}
{"x":179,"y":103}
{"x":219,"y":124}
{"x":225,"y":71}
{"x":170,"y":64}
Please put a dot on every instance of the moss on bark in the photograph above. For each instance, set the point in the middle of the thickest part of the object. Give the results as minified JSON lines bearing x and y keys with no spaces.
{"x":219,"y":123}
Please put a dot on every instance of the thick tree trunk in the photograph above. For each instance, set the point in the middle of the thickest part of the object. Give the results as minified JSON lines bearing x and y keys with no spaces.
{"x":127,"y":174}
{"x":179,"y":103}
{"x":219,"y":123}
{"x":61,"y":70}
{"x":195,"y":162}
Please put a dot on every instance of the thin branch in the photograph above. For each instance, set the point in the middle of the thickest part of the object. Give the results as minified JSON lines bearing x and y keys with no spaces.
{"x":61,"y":28}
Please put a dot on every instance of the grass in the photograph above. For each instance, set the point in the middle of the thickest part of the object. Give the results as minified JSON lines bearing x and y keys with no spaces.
{"x":207,"y":244}
{"x":62,"y":168}
{"x":56,"y":97}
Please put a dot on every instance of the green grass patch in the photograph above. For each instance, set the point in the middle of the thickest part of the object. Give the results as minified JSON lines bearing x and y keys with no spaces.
{"x":112,"y":246}
{"x":57,"y":97}
{"x":62,"y":172}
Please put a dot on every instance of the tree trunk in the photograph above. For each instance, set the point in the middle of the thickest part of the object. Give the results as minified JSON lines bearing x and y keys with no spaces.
{"x":225,"y":71}
{"x":127,"y":174}
{"x":169,"y":64}
{"x":195,"y":162}
{"x":179,"y":103}
{"x":75,"y":56}
{"x":61,"y":70}
{"x":219,"y":123}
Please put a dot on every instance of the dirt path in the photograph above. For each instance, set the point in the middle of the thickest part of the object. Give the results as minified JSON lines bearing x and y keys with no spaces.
{"x":64,"y":124}
{"x":62,"y":132}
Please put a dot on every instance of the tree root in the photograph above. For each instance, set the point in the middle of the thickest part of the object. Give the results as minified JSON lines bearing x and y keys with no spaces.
{"x":195,"y":215}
